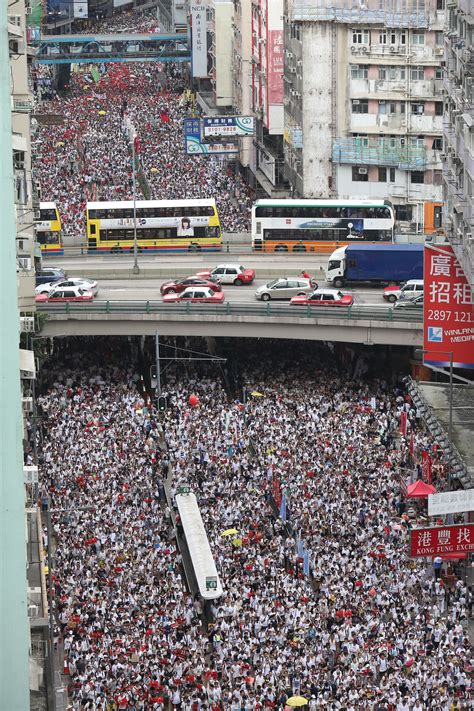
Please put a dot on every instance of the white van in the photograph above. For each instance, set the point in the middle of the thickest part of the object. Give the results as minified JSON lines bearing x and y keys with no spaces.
{"x":409,"y":290}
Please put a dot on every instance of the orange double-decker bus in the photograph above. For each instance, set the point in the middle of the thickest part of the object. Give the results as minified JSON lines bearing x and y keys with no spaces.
{"x":319,"y":225}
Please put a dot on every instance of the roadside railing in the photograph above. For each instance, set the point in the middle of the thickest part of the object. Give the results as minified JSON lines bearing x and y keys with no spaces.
{"x":227,"y":308}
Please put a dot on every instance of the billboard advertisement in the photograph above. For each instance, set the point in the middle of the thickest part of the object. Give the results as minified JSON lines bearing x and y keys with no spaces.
{"x":275,"y":63}
{"x":194,"y":146}
{"x":199,"y":39}
{"x":228,"y":126}
{"x":442,"y":540}
{"x":448,"y":326}
{"x":450,"y":502}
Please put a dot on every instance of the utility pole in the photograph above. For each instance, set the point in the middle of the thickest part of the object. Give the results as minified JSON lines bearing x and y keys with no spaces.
{"x":14,"y":628}
{"x":157,"y":361}
{"x":135,"y":145}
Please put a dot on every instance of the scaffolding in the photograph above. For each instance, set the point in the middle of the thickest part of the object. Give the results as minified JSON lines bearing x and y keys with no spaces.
{"x":378,"y":152}
{"x":389,"y":13}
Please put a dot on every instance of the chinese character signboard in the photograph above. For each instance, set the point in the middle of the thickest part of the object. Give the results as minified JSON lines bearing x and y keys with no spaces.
{"x":451,"y":502}
{"x":224,"y":126}
{"x":275,"y":66}
{"x":448,"y":310}
{"x":442,"y":540}
{"x":199,"y":39}
{"x":194,"y":146}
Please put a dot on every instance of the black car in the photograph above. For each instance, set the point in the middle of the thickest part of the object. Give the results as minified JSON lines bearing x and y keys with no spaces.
{"x":50,"y":274}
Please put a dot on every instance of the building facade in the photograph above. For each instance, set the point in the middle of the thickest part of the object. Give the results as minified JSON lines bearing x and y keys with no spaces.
{"x":459,"y":132}
{"x":364,"y":103}
{"x":267,"y":61}
{"x":215,"y":91}
{"x":25,"y":203}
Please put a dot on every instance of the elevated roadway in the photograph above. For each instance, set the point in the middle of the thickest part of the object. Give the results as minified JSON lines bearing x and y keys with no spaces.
{"x":80,"y":49}
{"x":358,"y":324}
{"x":130,"y":304}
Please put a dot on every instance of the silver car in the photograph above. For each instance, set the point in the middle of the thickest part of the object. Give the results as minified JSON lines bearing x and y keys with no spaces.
{"x":283,"y":288}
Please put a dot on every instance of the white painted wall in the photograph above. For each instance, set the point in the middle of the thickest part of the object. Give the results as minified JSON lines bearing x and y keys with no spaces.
{"x":317,"y":136}
{"x":224,"y":11}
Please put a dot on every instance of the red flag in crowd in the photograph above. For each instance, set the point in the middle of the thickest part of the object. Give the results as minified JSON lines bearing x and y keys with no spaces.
{"x":403,"y":423}
{"x":426,"y":466}
{"x":137,"y":144}
{"x":164,"y":116}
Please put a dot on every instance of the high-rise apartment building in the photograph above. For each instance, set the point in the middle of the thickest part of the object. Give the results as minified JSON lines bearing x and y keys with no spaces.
{"x":215,"y":91}
{"x":241,"y":72}
{"x":266,"y":87}
{"x":21,"y":107}
{"x":364,"y":103}
{"x":459,"y":132}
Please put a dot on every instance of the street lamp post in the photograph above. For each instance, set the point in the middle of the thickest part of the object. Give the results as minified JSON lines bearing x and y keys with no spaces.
{"x":450,"y":420}
{"x":136,"y":269}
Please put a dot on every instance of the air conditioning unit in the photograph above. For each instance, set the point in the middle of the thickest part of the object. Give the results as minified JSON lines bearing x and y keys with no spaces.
{"x":27,"y":403}
{"x":30,"y":475}
{"x":356,"y":102}
{"x":364,"y":50}
{"x":439,"y":51}
{"x":28,"y":10}
{"x":362,"y":171}
{"x":354,"y":48}
{"x":33,"y":611}
{"x":293,"y":70}
{"x":27,"y":324}
{"x":394,"y":50}
{"x":24,"y":263}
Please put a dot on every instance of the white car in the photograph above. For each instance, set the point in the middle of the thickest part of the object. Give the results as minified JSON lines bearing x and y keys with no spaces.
{"x":86,"y":284}
{"x":234,"y":274}
{"x":284,"y":288}
{"x":409,"y":290}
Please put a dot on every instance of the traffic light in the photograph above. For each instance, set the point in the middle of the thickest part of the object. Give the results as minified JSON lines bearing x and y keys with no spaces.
{"x":162,"y":403}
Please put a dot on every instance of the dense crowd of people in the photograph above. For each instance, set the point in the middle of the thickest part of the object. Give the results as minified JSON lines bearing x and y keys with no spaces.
{"x":141,"y":21}
{"x":363,"y":627}
{"x":87,"y":155}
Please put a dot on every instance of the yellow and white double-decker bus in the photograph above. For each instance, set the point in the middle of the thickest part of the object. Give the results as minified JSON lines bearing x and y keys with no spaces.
{"x":161,"y":226}
{"x":48,"y":229}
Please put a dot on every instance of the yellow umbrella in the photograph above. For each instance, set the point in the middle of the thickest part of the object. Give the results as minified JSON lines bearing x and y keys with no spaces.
{"x":102,"y":113}
{"x":59,"y":143}
{"x":229,"y":532}
{"x":255,"y":393}
{"x":153,"y":170}
{"x":237,"y":542}
{"x":296,"y":701}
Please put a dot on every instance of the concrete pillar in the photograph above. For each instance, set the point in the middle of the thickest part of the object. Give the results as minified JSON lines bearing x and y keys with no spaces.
{"x":14,"y":632}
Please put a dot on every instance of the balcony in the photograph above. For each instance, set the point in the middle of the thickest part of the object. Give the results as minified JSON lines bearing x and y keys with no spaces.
{"x":378,"y":152}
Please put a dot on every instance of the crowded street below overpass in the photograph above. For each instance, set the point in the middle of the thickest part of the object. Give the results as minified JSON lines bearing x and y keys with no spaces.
{"x":296,"y":449}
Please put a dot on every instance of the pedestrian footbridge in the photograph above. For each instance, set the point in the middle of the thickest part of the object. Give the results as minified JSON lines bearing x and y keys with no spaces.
{"x":81,"y":49}
{"x":356,"y":324}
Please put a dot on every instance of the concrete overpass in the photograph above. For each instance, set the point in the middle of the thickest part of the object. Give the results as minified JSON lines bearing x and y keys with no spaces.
{"x":80,"y":49}
{"x":359,"y":324}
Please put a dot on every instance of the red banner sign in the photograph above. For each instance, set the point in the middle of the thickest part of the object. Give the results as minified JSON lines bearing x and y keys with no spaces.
{"x":275,"y":66}
{"x":403,"y":423}
{"x":426,"y":466}
{"x":448,"y":310}
{"x":442,"y":540}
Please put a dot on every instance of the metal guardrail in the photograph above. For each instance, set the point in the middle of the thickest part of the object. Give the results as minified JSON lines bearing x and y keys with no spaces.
{"x":228,"y":308}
